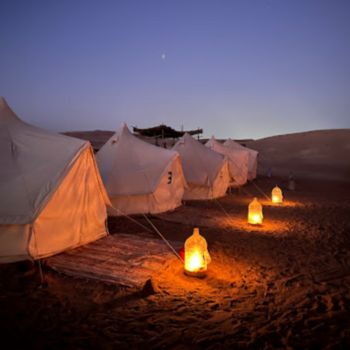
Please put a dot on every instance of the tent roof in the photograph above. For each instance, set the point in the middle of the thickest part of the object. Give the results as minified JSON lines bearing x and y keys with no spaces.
{"x":165,"y":131}
{"x":217,"y":146}
{"x":201,"y":164}
{"x":130,"y":166}
{"x":238,"y":160}
{"x":33,"y":162}
{"x":235,"y":145}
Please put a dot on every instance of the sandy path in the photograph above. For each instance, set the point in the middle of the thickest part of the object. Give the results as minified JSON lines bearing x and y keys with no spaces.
{"x":284,"y":285}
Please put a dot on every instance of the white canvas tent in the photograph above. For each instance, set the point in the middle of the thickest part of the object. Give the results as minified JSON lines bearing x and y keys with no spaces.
{"x":51,"y":195}
{"x":206,"y":171}
{"x":253,"y":157}
{"x":139,"y":177}
{"x":237,"y":161}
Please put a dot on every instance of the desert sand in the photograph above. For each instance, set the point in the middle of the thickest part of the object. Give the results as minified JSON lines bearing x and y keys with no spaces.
{"x":284,"y":285}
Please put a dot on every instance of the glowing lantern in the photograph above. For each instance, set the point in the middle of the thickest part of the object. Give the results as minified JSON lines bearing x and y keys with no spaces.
{"x":197,"y":256}
{"x":276,"y":195}
{"x":255,"y":214}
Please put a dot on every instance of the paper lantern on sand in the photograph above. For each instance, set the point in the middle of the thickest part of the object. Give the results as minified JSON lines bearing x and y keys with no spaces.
{"x":255,"y":213}
{"x":276,"y":195}
{"x":197,"y":256}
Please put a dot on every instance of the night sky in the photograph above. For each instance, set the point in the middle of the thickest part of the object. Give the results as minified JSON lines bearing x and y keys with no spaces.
{"x":235,"y":68}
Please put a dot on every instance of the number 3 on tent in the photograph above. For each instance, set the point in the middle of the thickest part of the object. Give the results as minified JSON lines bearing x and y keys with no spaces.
{"x":170,"y":177}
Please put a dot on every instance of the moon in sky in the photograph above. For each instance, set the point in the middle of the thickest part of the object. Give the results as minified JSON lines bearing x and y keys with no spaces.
{"x":163,"y":56}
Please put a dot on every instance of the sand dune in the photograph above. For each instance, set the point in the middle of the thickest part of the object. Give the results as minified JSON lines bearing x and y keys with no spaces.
{"x":97,"y":138}
{"x":314,"y":154}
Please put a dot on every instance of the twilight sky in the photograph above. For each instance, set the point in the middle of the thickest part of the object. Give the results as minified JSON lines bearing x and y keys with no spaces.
{"x":236,"y":68}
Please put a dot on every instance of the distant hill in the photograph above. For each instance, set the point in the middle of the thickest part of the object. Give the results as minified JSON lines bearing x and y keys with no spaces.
{"x":97,"y":138}
{"x":312,"y":154}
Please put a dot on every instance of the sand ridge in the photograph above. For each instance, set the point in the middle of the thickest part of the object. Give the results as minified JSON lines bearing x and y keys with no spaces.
{"x":313,"y":154}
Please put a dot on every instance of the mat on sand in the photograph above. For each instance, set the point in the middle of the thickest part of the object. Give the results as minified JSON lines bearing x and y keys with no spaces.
{"x":122,"y":259}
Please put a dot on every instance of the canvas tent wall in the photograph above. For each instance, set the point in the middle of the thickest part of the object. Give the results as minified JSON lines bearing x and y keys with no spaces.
{"x":140,"y":177}
{"x":253,"y":157}
{"x":51,"y":195}
{"x":206,"y":171}
{"x":237,"y":161}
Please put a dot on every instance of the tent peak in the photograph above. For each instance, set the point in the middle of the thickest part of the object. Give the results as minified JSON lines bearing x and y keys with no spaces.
{"x":124,"y":129}
{"x":6,"y":113}
{"x":3,"y":103}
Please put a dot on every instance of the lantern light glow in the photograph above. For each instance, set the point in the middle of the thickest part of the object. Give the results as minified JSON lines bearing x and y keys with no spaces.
{"x":197,"y":256}
{"x":194,"y":262}
{"x":255,"y":219}
{"x":255,"y":214}
{"x":276,"y":195}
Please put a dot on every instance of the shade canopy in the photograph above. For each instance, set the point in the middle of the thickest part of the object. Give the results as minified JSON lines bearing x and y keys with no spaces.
{"x":165,"y":131}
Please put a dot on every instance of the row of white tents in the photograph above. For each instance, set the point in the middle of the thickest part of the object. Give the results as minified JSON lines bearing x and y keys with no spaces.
{"x":54,"y":198}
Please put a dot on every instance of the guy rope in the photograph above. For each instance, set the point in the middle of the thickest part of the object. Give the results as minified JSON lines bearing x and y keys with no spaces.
{"x":148,"y":230}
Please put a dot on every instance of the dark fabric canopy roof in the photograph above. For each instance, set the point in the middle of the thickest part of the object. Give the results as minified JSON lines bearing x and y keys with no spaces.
{"x":165,"y":131}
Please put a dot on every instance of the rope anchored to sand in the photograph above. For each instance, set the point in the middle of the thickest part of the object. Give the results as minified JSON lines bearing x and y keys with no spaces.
{"x":261,"y":191}
{"x":148,"y":230}
{"x":223,"y":210}
{"x":131,"y":219}
{"x":163,"y":238}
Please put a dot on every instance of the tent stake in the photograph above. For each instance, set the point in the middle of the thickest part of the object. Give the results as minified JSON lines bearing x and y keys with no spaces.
{"x":41,"y":273}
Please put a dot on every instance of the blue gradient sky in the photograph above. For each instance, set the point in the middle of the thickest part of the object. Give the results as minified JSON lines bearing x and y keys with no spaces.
{"x":236,"y":68}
